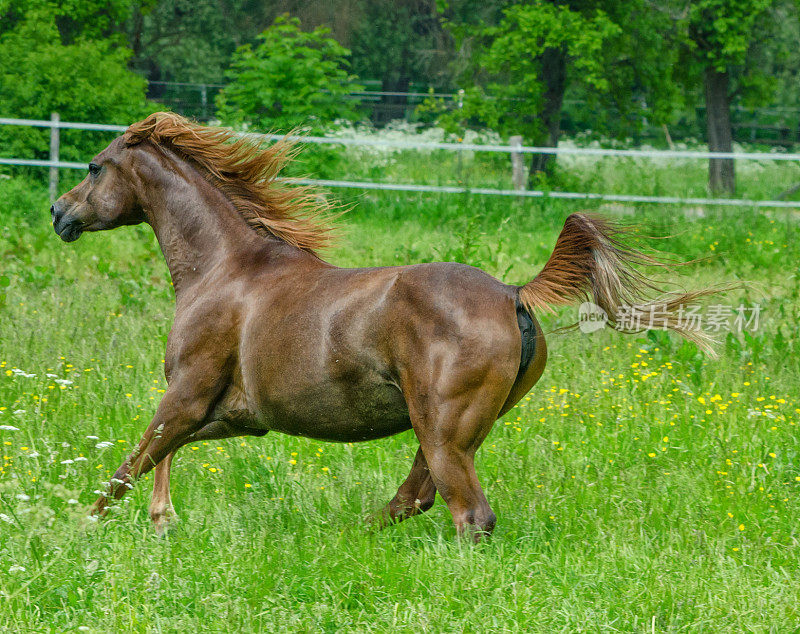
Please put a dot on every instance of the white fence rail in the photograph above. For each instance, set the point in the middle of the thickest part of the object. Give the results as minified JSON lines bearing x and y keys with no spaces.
{"x":514,"y":150}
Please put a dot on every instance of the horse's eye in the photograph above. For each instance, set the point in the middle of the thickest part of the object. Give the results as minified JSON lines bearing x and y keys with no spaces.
{"x":94,"y":169}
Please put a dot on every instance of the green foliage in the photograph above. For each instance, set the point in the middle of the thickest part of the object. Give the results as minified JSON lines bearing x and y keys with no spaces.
{"x":509,"y":92}
{"x":526,"y":31}
{"x":400,"y":42}
{"x":187,"y":40}
{"x":76,"y":19}
{"x":290,"y":79}
{"x":607,"y":53}
{"x":734,"y":37}
{"x":51,"y":62}
{"x":637,"y":64}
{"x":722,"y":30}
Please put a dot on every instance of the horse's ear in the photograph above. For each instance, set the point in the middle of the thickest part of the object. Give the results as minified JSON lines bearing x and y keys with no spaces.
{"x":129,"y":139}
{"x":158,"y":124}
{"x":139,"y":131}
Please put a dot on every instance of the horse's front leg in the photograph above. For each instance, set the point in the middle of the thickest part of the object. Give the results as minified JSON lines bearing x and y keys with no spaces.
{"x":161,"y":510}
{"x":183,"y":411}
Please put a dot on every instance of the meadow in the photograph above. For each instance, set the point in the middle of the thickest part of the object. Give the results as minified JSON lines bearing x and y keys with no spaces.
{"x":640,"y":486}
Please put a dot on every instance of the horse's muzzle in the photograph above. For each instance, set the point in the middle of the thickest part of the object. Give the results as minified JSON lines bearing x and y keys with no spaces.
{"x":67,"y":227}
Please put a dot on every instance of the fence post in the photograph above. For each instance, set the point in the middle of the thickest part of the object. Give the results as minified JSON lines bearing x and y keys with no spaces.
{"x":517,"y":165}
{"x":54,"y":143}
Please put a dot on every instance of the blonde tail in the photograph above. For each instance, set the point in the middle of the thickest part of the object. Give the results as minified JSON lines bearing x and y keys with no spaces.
{"x":590,"y":262}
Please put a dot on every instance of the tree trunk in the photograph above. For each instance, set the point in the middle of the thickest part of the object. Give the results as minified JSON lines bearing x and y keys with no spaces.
{"x":554,"y":76}
{"x":137,"y":27}
{"x":393,"y":106}
{"x":721,"y":177}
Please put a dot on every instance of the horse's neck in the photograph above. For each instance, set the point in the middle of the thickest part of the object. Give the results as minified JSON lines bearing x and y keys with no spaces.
{"x":197,"y":228}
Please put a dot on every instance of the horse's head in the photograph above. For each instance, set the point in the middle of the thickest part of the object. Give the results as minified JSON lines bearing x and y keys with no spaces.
{"x":105,"y":199}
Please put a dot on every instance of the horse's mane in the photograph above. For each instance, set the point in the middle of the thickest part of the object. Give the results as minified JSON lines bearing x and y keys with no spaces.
{"x":246,"y":173}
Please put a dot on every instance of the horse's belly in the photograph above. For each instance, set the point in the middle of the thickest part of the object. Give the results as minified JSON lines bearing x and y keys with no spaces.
{"x":326,"y":413}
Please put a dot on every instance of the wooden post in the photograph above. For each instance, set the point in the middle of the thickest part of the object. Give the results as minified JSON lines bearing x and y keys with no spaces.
{"x":54,"y":146}
{"x":667,"y":136}
{"x":517,"y":165}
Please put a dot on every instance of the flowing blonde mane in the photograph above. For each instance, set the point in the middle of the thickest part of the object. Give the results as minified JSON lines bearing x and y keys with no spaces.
{"x":246,"y":173}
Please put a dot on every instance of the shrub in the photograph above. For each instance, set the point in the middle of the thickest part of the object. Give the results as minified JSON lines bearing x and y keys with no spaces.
{"x":290,"y":79}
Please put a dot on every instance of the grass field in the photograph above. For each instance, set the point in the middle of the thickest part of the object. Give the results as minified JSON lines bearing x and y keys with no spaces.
{"x":639,"y":487}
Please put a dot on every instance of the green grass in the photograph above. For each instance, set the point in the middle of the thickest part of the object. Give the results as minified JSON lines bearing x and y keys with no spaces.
{"x":624,"y":503}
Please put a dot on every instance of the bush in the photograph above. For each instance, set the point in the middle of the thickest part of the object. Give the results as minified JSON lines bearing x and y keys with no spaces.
{"x":291,"y":79}
{"x":84,"y":80}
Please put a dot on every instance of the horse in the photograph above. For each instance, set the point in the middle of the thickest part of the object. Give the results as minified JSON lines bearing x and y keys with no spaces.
{"x":268,"y":336}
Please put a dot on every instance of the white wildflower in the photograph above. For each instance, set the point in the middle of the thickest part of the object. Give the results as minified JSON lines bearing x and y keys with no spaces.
{"x":104,"y":444}
{"x":8,"y":428}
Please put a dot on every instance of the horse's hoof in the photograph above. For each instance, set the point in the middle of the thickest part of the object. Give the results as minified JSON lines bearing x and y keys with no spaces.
{"x":163,"y":521}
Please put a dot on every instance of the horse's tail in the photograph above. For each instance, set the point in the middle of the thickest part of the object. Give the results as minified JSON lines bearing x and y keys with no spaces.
{"x":590,"y":261}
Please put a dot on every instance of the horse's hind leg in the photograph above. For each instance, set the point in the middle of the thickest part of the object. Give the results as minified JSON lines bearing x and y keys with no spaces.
{"x":450,"y":433}
{"x":453,"y":472}
{"x":416,"y":495}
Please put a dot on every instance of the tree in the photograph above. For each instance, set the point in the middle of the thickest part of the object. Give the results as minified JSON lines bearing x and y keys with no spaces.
{"x":291,"y":78}
{"x":527,"y":59}
{"x":717,"y":38}
{"x":400,"y":42}
{"x":179,"y":40}
{"x":67,"y":57}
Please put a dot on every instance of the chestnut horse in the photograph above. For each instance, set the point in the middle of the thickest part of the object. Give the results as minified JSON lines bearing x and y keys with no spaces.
{"x":268,"y":336}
